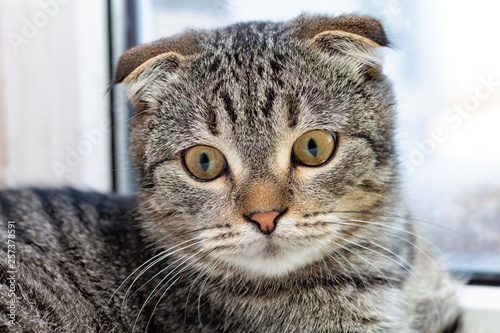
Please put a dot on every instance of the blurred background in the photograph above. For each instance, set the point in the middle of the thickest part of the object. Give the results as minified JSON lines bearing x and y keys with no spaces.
{"x":60,"y":126}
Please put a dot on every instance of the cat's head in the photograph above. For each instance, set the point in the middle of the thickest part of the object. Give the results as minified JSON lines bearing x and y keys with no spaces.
{"x":251,"y":139}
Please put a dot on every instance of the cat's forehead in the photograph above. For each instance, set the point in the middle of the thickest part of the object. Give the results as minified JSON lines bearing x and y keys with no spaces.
{"x":251,"y":97}
{"x":252,"y":76}
{"x":250,"y":36}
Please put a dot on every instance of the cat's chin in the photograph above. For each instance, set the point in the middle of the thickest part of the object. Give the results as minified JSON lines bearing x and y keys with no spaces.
{"x":275,"y":260}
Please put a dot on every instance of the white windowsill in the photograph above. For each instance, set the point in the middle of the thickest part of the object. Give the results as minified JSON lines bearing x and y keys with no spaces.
{"x":482,"y":308}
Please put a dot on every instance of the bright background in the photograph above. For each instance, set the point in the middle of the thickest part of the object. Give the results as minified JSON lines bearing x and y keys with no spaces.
{"x":59,"y":126}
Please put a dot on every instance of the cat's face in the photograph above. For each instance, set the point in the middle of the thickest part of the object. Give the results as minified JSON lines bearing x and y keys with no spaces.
{"x":249,"y":149}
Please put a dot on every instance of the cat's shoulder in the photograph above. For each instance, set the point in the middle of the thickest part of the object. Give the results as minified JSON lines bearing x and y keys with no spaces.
{"x":23,"y":200}
{"x":38,"y":211}
{"x":61,"y":249}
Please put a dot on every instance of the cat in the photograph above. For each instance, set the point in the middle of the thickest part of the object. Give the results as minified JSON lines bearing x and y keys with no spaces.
{"x":269,"y":199}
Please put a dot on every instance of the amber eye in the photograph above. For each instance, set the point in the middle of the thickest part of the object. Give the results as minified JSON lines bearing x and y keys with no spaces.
{"x":314,"y":148}
{"x":204,"y":162}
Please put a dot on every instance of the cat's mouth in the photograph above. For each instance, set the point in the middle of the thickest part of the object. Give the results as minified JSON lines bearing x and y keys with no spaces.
{"x":277,"y":254}
{"x":273,"y":258}
{"x":272,"y":249}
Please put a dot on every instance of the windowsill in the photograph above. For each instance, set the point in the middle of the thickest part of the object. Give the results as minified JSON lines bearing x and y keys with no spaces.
{"x":482,"y":308}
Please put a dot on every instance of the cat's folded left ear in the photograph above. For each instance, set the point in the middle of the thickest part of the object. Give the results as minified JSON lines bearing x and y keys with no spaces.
{"x":166,"y":52}
{"x":144,"y":64}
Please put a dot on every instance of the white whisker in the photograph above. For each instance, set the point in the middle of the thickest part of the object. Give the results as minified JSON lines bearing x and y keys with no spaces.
{"x":201,"y":293}
{"x":406,"y":267}
{"x":386,"y":233}
{"x":161,"y":271}
{"x":337,"y":260}
{"x":365,"y":260}
{"x":151,"y":293}
{"x":191,"y":288}
{"x":162,"y":256}
{"x":389,"y":226}
{"x":173,"y":283}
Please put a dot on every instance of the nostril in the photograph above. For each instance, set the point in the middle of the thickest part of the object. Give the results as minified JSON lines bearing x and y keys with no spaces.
{"x":266,"y":221}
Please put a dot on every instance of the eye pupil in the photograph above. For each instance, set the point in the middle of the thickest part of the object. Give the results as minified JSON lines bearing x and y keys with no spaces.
{"x":204,"y":162}
{"x":312,"y":147}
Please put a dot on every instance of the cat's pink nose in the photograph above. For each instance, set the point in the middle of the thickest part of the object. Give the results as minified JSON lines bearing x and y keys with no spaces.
{"x":266,"y":221}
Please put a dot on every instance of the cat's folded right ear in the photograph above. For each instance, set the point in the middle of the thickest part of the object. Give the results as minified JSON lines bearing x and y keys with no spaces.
{"x":356,"y":36}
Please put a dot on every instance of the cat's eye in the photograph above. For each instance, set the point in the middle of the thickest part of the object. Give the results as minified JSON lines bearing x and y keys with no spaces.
{"x":204,"y":162}
{"x":314,"y":148}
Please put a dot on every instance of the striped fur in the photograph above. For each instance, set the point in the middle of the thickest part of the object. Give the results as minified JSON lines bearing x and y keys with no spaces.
{"x":345,"y":256}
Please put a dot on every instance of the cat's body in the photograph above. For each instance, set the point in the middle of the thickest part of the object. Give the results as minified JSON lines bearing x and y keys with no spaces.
{"x":74,"y":249}
{"x":269,"y":191}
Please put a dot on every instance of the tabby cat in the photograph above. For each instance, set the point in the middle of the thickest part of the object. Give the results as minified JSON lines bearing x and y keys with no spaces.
{"x":269,"y":199}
